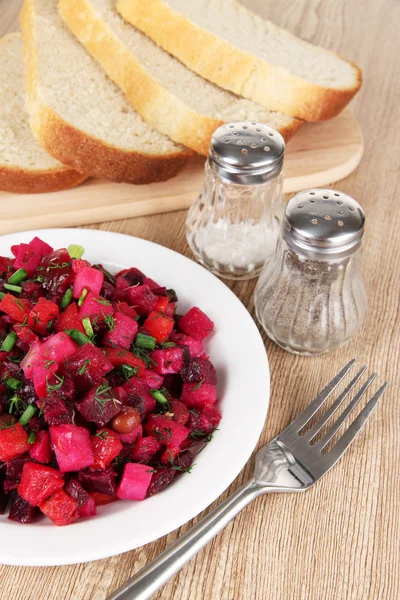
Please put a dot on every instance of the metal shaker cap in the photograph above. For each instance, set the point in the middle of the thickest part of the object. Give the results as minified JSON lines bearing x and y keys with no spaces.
{"x":323,"y":223}
{"x":246,"y":152}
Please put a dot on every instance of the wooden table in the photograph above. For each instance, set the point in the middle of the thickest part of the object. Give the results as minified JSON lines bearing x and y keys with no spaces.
{"x":339,"y":541}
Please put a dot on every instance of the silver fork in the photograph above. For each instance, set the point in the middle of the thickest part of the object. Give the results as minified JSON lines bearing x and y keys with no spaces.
{"x":287,"y":464}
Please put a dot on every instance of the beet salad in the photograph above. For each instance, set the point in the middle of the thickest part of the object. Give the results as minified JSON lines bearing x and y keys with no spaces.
{"x":106,"y":392}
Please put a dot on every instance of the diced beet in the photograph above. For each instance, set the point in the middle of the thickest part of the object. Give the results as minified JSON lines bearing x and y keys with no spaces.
{"x":106,"y":446}
{"x":60,"y":508}
{"x":121,"y":289}
{"x":195,"y":346}
{"x":125,"y":309}
{"x":152,"y":379}
{"x":209,"y":418}
{"x":166,"y":431}
{"x":10,"y":485}
{"x":142,"y":299}
{"x":145,"y":449}
{"x":17,"y":308}
{"x":132,"y":437}
{"x":56,"y":411}
{"x":153,"y":285}
{"x":196,"y":324}
{"x":139,"y":396}
{"x":197,"y":370}
{"x":31,"y":358}
{"x":25,"y":334}
{"x":197,"y":395}
{"x":107,"y":291}
{"x":43,"y":316}
{"x":78,"y":264}
{"x":120,"y":394}
{"x":86,"y":504}
{"x":123,"y":333}
{"x":6,"y":264}
{"x":41,"y":449}
{"x":180,"y":411}
{"x":159,"y":326}
{"x":29,"y":256}
{"x":99,"y":405}
{"x":170,"y":309}
{"x":88,"y":279}
{"x":102,"y":482}
{"x":169,"y":455}
{"x":102,"y":499}
{"x":21,"y":511}
{"x":162,"y":303}
{"x":44,"y":377}
{"x":72,"y":447}
{"x":194,"y":420}
{"x":58,"y":274}
{"x":173,"y":383}
{"x":167,"y":361}
{"x":69,"y":319}
{"x":96,"y":308}
{"x":134,"y":482}
{"x":120,"y":356}
{"x":160,"y":480}
{"x":59,"y":347}
{"x":65,"y":388}
{"x":15,"y":466}
{"x":13,"y":442}
{"x":184,"y":460}
{"x":88,"y":366}
{"x":132,"y":276}
{"x":38,"y":482}
{"x":3,"y":494}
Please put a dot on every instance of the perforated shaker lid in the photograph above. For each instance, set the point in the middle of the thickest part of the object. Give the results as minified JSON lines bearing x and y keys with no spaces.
{"x":323,"y":222}
{"x":246,"y":152}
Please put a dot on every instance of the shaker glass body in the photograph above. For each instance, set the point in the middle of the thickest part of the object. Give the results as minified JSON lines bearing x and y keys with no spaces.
{"x":310,"y":306}
{"x":231,"y":228}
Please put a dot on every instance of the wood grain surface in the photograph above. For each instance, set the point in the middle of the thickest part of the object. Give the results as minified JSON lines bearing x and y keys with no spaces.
{"x":340,"y":540}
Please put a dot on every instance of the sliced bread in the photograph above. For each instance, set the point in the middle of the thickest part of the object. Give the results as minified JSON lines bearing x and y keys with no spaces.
{"x":79,"y":115}
{"x":229,"y":45}
{"x":168,"y":95}
{"x":24,"y":166}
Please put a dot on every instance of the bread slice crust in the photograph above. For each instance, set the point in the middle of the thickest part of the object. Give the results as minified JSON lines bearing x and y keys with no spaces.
{"x":23,"y":180}
{"x":157,"y":105}
{"x":80,"y":150}
{"x":235,"y":69}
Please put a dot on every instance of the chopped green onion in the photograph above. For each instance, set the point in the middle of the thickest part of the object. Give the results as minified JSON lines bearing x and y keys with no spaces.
{"x":75,"y":251}
{"x":159,"y":396}
{"x":18,"y":276}
{"x":9,"y":343}
{"x":82,"y":297}
{"x":78,"y":337}
{"x":87,"y":326}
{"x":27,"y":415}
{"x":128,"y":371}
{"x":32,"y":437}
{"x":66,"y":299}
{"x":145,"y":341}
{"x":2,"y":295}
{"x":12,"y":383}
{"x":168,"y":345}
{"x":13,"y":288}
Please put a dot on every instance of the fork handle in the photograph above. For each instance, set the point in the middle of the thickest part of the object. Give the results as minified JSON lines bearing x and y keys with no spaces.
{"x":153,"y":576}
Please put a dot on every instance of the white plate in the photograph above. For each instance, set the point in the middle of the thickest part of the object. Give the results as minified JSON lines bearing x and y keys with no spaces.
{"x":238,"y":353}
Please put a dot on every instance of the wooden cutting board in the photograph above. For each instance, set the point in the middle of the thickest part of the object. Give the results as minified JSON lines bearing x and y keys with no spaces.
{"x":319,"y":155}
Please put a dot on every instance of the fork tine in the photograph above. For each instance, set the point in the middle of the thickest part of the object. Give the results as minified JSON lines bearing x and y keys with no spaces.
{"x":337,"y":424}
{"x":316,"y":428}
{"x":312,"y":408}
{"x":350,"y":434}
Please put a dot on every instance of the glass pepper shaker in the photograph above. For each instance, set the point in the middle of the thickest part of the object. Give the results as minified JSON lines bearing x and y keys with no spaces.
{"x":310,"y":297}
{"x":233,"y":225}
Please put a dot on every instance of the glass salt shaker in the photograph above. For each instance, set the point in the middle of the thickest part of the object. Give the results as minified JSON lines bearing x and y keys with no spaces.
{"x":233,"y":226}
{"x":310,"y":297}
